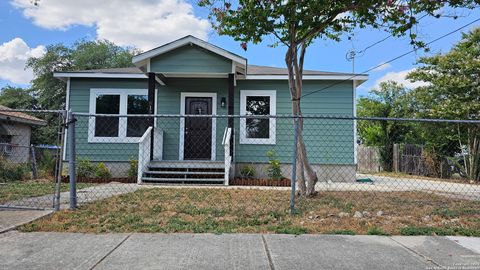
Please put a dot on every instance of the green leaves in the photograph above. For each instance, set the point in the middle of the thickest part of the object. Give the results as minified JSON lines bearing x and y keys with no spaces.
{"x":292,"y":22}
{"x":82,"y":55}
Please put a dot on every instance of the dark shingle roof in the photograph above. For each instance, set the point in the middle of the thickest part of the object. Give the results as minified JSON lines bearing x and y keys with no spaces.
{"x":251,"y":70}
{"x":265,"y":70}
{"x":127,"y":70}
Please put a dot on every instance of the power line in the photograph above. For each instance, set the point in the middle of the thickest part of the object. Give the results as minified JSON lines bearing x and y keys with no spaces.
{"x":393,"y":59}
{"x":384,"y":39}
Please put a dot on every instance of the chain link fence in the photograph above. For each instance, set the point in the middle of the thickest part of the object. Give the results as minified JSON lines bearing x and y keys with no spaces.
{"x":220,"y":165}
{"x":30,"y":158}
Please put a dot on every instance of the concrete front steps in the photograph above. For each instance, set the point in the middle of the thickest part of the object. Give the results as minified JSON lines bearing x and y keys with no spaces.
{"x":185,"y":172}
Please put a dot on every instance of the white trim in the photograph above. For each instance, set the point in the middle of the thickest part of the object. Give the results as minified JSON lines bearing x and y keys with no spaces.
{"x":272,"y":121}
{"x":361,"y":78}
{"x":186,"y":41}
{"x":148,"y":65}
{"x":122,"y":125}
{"x":181,"y":143}
{"x":195,"y":75}
{"x":67,"y":107}
{"x":99,"y":75}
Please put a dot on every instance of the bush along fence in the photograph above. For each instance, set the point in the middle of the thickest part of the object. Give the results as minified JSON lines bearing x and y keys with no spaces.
{"x":92,"y":157}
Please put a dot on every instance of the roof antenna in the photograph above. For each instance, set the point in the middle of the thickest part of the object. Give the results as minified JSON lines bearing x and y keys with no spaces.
{"x":350,"y":56}
{"x":352,"y":53}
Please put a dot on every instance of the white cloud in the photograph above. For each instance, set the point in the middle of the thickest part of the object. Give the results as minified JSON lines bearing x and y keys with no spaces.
{"x":13,"y":55}
{"x":142,"y":23}
{"x":382,"y":66}
{"x":399,"y":77}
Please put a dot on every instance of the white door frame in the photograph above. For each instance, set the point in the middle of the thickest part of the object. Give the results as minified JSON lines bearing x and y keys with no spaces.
{"x":181,"y":145}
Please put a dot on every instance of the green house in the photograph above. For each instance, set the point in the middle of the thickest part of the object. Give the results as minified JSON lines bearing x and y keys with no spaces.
{"x":168,"y":113}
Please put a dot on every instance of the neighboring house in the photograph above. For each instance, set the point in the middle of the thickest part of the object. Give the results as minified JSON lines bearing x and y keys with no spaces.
{"x":15,"y":134}
{"x":191,"y":76}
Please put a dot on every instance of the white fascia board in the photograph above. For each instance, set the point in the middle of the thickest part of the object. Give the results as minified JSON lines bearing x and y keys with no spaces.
{"x":98,"y":75}
{"x":185,"y":41}
{"x":309,"y":77}
{"x":195,"y":75}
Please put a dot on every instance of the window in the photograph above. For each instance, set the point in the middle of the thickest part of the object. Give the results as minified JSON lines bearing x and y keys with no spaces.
{"x":136,"y":126}
{"x":118,"y":102}
{"x":6,"y":147}
{"x":106,"y":126}
{"x":257,"y":130}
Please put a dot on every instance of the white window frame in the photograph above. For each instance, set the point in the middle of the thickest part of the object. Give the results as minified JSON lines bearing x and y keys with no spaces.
{"x":122,"y":124}
{"x":181,"y":145}
{"x":272,"y":123}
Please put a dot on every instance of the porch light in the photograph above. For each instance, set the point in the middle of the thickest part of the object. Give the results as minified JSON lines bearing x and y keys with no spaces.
{"x":223,"y":102}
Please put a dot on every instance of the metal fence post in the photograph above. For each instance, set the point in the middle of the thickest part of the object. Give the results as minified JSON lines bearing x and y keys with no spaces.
{"x":71,"y":161}
{"x":294,"y":165}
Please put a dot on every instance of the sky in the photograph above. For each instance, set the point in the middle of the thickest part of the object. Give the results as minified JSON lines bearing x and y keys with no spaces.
{"x":26,"y":30}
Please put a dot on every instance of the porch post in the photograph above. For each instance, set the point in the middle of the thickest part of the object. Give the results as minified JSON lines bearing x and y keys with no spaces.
{"x":151,"y":107}
{"x":230,"y":109}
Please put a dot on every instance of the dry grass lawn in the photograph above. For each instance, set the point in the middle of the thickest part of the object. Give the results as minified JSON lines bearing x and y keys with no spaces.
{"x":16,"y":190}
{"x":171,"y":210}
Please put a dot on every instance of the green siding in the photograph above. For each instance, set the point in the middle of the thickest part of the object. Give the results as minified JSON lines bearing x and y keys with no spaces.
{"x":79,"y":102}
{"x":328,"y":141}
{"x":190,"y":59}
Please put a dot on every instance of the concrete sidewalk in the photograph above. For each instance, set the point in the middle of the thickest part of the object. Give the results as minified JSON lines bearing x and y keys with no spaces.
{"x":234,"y":251}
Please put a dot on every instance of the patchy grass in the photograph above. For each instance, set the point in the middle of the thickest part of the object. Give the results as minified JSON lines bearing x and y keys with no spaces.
{"x":341,"y":232}
{"x":171,"y":210}
{"x":16,"y":190}
{"x":377,"y":231}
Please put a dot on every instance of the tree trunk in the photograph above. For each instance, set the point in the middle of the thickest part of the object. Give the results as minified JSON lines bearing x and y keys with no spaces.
{"x":307,"y":176}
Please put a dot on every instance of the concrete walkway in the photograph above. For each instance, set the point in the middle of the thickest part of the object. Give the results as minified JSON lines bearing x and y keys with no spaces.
{"x":234,"y":251}
{"x":12,"y":218}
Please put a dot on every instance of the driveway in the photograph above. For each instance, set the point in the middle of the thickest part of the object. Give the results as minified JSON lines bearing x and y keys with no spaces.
{"x":234,"y":251}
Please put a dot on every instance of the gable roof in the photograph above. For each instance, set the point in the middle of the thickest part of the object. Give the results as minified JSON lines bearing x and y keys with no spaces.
{"x":11,"y":115}
{"x":139,"y":59}
{"x":245,"y":71}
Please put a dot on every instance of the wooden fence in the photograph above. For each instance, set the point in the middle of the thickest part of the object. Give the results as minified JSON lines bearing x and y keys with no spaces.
{"x":407,"y":158}
{"x":368,"y":159}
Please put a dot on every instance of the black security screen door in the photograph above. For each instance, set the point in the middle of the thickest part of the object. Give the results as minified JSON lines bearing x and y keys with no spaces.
{"x":198,"y":130}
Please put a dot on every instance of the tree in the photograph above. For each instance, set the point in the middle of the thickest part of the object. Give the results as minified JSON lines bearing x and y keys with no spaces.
{"x":83,"y":55}
{"x":390,"y":100}
{"x":17,"y":98}
{"x":298,"y":23}
{"x":453,"y":92}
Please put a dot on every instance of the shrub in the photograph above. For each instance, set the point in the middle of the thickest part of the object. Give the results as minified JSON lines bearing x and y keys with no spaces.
{"x":47,"y":164}
{"x":133,"y":170}
{"x":11,"y":171}
{"x":102,"y":171}
{"x":274,"y":170}
{"x":248,"y":171}
{"x":85,"y":168}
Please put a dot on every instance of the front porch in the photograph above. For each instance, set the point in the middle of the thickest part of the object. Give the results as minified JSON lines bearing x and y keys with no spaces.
{"x":152,"y":168}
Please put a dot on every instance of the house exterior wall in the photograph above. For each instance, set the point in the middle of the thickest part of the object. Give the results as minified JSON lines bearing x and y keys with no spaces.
{"x":190,"y":59}
{"x":79,"y":100}
{"x":21,"y":134}
{"x":328,"y":142}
